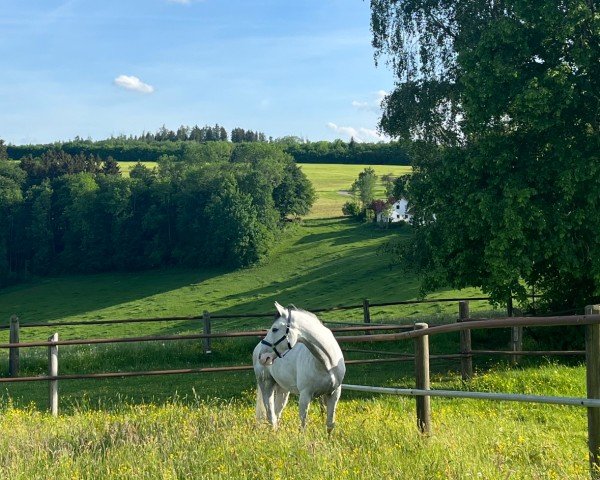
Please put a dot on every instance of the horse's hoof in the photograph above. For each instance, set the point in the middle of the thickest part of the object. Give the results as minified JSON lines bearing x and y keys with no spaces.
{"x":330,"y":429}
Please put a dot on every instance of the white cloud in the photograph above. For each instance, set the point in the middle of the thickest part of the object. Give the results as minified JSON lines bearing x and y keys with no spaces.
{"x":359,"y":134}
{"x":373,"y":105}
{"x":133,"y":83}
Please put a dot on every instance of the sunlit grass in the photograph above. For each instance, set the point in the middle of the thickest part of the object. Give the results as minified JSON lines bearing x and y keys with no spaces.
{"x":332,"y":182}
{"x":375,"y":438}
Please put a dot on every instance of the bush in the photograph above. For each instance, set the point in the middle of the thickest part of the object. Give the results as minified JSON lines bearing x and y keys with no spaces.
{"x":351,"y":209}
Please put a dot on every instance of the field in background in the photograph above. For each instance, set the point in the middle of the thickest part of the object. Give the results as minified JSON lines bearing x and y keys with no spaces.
{"x":332,"y":181}
{"x":126,"y":167}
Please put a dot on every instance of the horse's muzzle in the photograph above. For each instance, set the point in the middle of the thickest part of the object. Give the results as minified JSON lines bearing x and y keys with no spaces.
{"x":266,"y":359}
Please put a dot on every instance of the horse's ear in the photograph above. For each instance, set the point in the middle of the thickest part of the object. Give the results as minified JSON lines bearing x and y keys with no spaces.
{"x":280,"y":310}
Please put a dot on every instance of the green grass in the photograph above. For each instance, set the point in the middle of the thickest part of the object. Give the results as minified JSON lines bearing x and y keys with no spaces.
{"x":375,"y":438}
{"x":202,"y":425}
{"x":126,"y":167}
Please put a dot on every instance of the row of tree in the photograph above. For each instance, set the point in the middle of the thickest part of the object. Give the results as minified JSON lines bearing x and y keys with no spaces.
{"x":208,"y":133}
{"x":138,"y":150}
{"x":70,"y":214}
{"x":355,"y":153}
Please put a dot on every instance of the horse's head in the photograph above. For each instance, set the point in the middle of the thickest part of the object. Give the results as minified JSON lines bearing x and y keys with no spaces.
{"x":280,"y":338}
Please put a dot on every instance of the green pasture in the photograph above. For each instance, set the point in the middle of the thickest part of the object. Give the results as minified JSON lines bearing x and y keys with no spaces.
{"x":202,"y":425}
{"x":126,"y":167}
{"x":375,"y":438}
{"x":332,"y":183}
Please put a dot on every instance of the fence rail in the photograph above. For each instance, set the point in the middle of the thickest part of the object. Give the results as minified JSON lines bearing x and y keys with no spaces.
{"x":151,"y":373}
{"x":366,"y":305}
{"x":508,"y":397}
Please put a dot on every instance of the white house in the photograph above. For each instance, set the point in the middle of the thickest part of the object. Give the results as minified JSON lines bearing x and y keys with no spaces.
{"x":397,"y":212}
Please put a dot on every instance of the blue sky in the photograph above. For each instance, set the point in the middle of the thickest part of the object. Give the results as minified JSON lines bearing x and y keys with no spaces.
{"x":98,"y":68}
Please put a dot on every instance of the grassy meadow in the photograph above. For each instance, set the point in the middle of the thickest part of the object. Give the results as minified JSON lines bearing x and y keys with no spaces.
{"x":202,"y":426}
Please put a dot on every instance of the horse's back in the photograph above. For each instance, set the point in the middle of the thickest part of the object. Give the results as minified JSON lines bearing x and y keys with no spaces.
{"x":300,"y":370}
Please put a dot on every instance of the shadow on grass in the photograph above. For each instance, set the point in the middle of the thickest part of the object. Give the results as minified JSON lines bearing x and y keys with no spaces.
{"x":54,"y":298}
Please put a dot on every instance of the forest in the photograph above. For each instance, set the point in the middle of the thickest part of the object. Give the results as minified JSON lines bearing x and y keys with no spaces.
{"x":64,"y":213}
{"x":215,"y":141}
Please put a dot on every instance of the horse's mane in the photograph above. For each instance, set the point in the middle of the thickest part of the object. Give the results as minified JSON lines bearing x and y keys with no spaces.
{"x":301,"y":310}
{"x":310,"y":314}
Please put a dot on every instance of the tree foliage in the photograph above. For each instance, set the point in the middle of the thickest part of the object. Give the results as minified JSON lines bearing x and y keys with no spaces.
{"x":64,"y":213}
{"x":197,"y":148}
{"x":363,"y":188}
{"x":502,"y":102}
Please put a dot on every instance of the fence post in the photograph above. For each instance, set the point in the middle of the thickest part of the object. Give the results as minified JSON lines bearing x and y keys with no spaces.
{"x":13,"y":355}
{"x":422,"y":380}
{"x":516,"y":333}
{"x":466,"y":361}
{"x":53,"y":372}
{"x":366,"y":313}
{"x":207,"y":330}
{"x":592,"y":359}
{"x":516,"y":343}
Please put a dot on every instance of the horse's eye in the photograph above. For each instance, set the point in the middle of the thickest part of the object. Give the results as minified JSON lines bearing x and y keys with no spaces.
{"x":275,"y":329}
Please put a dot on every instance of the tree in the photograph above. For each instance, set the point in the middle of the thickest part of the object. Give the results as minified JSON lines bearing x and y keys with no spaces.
{"x":502,"y":99}
{"x":388,"y":181}
{"x":111,"y":167}
{"x":3,"y":153}
{"x":295,"y":194}
{"x":183,"y":133}
{"x":238,"y":236}
{"x":40,"y":234}
{"x":11,"y":198}
{"x":363,"y":187}
{"x":399,"y":187}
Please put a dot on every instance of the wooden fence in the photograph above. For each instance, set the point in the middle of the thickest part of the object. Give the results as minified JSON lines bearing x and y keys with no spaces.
{"x":419,"y":332}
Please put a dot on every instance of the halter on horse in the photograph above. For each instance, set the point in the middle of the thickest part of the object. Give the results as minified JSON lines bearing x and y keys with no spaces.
{"x":283,"y":338}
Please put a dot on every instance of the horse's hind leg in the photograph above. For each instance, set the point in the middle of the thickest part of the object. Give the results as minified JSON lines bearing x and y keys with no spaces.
{"x":332,"y":400}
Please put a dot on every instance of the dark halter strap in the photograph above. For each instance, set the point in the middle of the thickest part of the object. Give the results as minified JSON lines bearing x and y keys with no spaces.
{"x":284,"y":338}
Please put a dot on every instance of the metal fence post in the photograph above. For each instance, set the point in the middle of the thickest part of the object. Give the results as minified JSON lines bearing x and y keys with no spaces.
{"x":53,"y":372}
{"x":466,"y":361}
{"x":422,"y":380}
{"x":592,"y":359}
{"x":13,"y":355}
{"x":206,"y":342}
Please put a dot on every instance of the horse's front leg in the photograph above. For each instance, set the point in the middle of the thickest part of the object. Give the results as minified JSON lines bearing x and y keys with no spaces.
{"x":332,"y":401}
{"x":281,"y":399}
{"x":303,"y":403}
{"x":267,"y":390}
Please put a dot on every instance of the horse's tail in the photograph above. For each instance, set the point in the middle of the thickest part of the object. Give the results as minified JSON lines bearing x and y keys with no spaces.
{"x":261,"y":411}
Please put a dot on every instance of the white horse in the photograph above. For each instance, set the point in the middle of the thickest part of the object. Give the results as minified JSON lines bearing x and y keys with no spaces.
{"x":299,"y":355}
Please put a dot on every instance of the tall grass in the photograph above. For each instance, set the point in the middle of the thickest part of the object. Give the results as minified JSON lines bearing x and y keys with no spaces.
{"x":375,"y":438}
